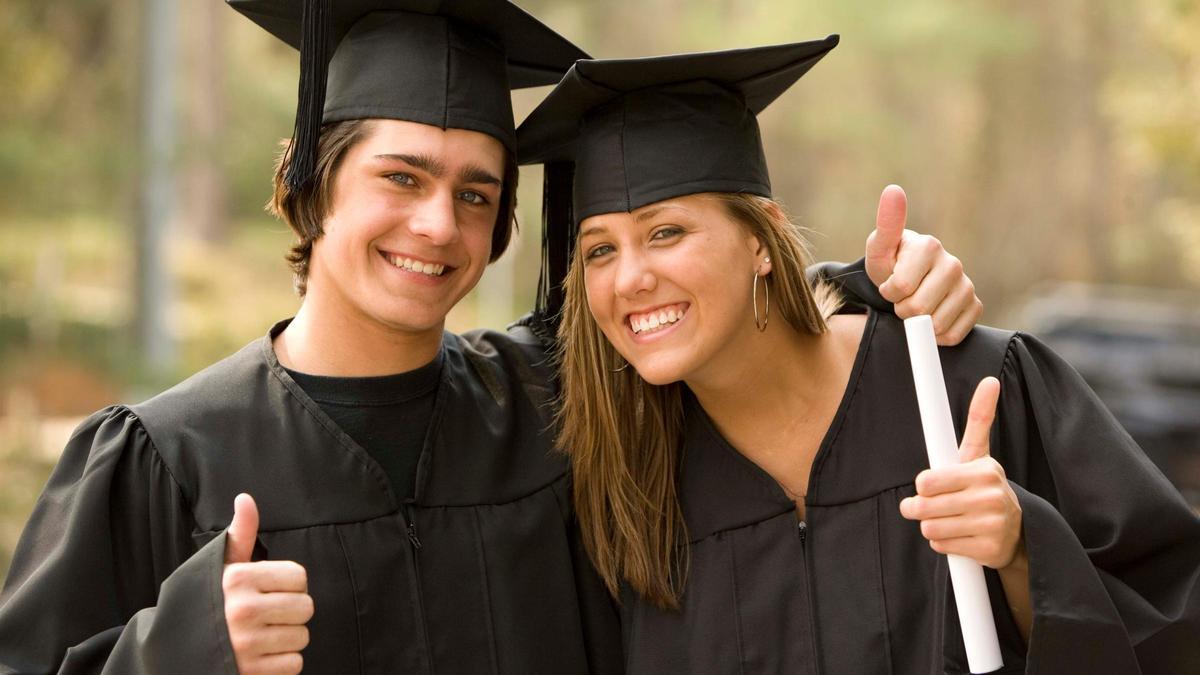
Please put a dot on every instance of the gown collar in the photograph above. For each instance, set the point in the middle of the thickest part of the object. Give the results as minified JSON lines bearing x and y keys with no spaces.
{"x":721,"y":489}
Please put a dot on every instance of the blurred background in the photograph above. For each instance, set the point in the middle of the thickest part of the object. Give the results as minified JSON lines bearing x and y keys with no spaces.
{"x":1052,"y":146}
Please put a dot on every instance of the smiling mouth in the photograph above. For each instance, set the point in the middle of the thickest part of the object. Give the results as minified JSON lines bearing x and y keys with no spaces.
{"x":645,"y":323}
{"x":410,"y":265}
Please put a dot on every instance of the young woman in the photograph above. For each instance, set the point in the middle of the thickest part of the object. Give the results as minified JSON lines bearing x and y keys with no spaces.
{"x":748,"y":462}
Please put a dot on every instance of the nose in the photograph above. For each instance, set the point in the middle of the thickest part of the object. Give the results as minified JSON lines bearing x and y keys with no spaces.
{"x":634,"y":275}
{"x":433,"y":219}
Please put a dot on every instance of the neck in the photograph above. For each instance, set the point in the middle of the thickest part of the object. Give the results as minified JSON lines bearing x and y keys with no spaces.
{"x":332,"y":339}
{"x":789,"y":370}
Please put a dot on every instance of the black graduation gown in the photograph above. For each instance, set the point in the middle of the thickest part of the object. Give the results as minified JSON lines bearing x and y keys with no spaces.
{"x":1114,"y":551}
{"x":481,"y":572}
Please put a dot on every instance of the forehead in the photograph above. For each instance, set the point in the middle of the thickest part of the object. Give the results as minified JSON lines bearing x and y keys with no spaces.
{"x":452,"y":147}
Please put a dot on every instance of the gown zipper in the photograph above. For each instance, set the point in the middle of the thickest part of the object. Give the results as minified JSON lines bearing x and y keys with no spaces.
{"x":410,"y":526}
{"x":802,"y":531}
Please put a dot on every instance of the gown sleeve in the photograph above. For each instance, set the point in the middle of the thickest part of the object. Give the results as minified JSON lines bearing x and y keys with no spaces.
{"x":106,"y":576}
{"x":852,"y":282}
{"x":1114,"y":550}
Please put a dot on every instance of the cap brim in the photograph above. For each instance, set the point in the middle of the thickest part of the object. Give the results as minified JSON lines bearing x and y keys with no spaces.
{"x":759,"y":74}
{"x":537,"y":55}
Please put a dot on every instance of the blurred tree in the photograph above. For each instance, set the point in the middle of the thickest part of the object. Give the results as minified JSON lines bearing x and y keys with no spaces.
{"x":65,"y":128}
{"x":205,"y":211}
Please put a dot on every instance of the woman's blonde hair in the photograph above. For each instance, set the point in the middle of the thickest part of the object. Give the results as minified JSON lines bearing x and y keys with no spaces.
{"x":623,"y":435}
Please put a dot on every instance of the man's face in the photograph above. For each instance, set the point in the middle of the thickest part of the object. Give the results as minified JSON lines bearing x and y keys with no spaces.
{"x":410,"y":224}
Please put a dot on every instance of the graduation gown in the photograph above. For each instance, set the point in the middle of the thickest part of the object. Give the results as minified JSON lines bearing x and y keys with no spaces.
{"x":481,"y":571}
{"x":1114,"y":551}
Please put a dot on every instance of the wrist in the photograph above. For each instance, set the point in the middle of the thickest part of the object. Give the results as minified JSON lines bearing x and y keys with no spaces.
{"x":1019,"y":562}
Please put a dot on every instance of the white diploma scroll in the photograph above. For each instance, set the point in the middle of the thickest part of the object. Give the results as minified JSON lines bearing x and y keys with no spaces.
{"x":966,"y":575}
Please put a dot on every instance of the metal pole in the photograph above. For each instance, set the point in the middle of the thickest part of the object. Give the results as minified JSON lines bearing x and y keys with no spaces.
{"x":157,"y":197}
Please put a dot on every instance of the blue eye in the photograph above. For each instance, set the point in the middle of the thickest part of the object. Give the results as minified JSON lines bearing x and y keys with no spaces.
{"x":401,"y":178}
{"x":472,"y":197}
{"x":599,"y":251}
{"x":667,"y":232}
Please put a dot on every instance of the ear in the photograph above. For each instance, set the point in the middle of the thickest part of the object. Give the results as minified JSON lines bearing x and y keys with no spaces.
{"x":762,"y":255}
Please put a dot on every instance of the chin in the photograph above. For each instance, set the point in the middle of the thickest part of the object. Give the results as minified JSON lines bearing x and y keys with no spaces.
{"x":409,"y":317}
{"x":659,"y":372}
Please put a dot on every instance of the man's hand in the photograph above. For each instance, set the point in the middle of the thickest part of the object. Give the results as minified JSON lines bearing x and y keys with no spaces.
{"x":917,"y":275}
{"x":266,"y":603}
{"x":969,"y":509}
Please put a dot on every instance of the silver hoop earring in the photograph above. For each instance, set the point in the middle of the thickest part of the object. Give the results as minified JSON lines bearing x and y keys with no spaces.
{"x":760,"y":324}
{"x":617,"y":370}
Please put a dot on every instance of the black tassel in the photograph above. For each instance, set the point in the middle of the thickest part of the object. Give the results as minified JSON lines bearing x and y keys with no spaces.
{"x":310,"y":100}
{"x":558,"y":239}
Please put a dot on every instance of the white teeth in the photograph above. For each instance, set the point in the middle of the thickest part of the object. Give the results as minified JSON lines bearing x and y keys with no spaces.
{"x":652,"y":321}
{"x":411,"y":265}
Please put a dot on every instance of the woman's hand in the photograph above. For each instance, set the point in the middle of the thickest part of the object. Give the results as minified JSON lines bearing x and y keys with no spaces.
{"x":917,"y":275}
{"x":969,"y":509}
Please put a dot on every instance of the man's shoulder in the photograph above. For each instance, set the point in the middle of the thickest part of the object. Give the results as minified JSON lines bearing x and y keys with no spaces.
{"x":522,"y":339}
{"x":517,"y":349}
{"x":229,"y":384}
{"x":512,"y":363}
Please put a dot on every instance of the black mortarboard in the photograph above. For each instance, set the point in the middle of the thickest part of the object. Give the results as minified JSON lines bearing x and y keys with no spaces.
{"x":448,"y":63}
{"x":637,"y":131}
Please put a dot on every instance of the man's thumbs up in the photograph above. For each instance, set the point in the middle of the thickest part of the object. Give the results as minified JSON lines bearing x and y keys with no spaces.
{"x":266,"y":603}
{"x":243,"y":531}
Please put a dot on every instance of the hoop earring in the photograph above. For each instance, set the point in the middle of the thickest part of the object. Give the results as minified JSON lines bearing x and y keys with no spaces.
{"x":617,"y":370}
{"x":761,"y":325}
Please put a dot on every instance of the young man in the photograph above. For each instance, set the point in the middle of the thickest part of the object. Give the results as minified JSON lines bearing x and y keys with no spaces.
{"x":409,"y":512}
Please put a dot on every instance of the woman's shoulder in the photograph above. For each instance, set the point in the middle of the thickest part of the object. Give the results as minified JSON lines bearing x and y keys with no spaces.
{"x":984,"y":344}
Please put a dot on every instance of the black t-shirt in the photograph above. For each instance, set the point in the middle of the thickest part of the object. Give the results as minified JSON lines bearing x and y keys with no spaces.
{"x":387,"y":415}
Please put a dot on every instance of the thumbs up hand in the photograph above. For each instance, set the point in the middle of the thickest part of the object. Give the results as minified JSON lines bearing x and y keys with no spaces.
{"x":969,"y":509}
{"x":917,"y":275}
{"x":266,"y":603}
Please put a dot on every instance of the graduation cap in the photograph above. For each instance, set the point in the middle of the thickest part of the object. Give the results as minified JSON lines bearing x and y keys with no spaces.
{"x":447,"y":63}
{"x":618,"y":134}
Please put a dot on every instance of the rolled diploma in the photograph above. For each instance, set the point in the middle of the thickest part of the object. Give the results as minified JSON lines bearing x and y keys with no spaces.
{"x":966,"y":575}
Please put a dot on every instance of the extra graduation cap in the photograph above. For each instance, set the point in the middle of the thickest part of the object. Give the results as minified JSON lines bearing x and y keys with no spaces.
{"x":447,"y":63}
{"x":618,"y":134}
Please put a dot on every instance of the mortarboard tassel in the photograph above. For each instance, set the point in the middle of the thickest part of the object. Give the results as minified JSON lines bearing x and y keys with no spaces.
{"x":310,"y":100}
{"x":558,"y":238}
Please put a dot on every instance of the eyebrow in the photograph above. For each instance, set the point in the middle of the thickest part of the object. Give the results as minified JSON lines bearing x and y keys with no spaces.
{"x":593,"y":229}
{"x":427,"y":163}
{"x":650,"y":213}
{"x":471,"y":173}
{"x":477,"y":174}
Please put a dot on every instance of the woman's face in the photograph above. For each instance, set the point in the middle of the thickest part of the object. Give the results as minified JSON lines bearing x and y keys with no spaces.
{"x":669,"y":284}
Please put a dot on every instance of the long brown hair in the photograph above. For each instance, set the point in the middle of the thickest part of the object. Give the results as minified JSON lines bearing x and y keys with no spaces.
{"x":624,"y":435}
